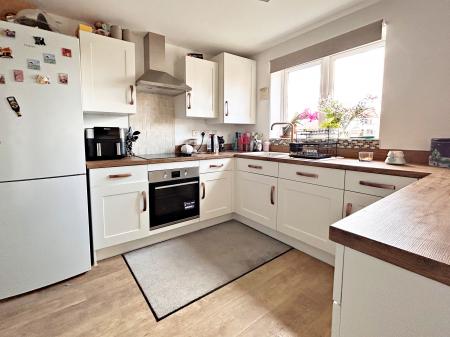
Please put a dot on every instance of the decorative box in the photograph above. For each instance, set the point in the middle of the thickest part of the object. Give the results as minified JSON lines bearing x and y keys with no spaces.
{"x":440,"y":152}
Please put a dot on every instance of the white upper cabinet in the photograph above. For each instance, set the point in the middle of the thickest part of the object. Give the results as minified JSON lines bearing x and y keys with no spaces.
{"x":201,"y":101}
{"x":237,"y":89}
{"x":107,"y":74}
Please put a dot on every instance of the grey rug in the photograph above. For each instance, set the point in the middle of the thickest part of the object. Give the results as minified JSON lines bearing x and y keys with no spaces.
{"x":177,"y":272}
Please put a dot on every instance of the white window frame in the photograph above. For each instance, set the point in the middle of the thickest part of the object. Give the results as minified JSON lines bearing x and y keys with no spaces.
{"x":346,"y":53}
{"x":327,"y":76}
{"x":285,"y":78}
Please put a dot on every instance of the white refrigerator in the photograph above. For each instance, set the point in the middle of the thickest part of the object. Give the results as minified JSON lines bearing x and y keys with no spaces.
{"x":44,"y":227}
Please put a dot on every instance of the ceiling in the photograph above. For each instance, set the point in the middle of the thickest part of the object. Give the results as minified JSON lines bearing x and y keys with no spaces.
{"x":245,"y":27}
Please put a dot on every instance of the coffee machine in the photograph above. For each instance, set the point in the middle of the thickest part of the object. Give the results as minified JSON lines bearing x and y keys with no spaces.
{"x":104,"y":143}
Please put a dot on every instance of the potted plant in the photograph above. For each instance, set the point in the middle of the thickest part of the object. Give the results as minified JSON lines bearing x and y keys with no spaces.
{"x":337,"y":116}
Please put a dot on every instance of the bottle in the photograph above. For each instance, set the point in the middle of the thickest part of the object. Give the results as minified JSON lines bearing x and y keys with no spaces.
{"x":240,"y":143}
{"x":266,"y":146}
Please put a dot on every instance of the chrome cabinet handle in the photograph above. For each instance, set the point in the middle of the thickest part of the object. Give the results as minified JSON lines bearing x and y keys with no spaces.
{"x":272,"y":195}
{"x":348,"y":209}
{"x":258,"y":167}
{"x":132,"y":92}
{"x":226,"y":106}
{"x":309,"y":175}
{"x":189,"y":100}
{"x":120,"y":175}
{"x":377,"y":185}
{"x":144,"y":197}
{"x":203,"y":191}
{"x":215,"y":166}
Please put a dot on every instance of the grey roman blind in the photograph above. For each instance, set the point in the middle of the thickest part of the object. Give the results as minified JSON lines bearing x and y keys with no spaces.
{"x":355,"y":38}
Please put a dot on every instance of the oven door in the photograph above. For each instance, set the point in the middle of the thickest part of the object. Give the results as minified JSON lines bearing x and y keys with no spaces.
{"x":173,"y":202}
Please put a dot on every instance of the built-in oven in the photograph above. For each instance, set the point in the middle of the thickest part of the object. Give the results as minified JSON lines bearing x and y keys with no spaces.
{"x":173,"y":196}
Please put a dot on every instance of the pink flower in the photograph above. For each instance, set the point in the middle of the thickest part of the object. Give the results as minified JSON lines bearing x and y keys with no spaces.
{"x":307,"y":114}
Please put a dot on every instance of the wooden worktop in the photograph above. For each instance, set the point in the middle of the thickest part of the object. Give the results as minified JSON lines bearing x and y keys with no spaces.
{"x":409,"y":170}
{"x":136,"y":160}
{"x":409,"y":228}
{"x":127,"y":161}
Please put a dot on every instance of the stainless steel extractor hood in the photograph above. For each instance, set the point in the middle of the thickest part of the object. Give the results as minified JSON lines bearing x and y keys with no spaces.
{"x":155,"y":80}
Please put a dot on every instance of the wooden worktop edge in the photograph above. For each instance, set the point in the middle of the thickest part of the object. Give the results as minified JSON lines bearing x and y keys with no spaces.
{"x":402,"y":171}
{"x":421,"y":265}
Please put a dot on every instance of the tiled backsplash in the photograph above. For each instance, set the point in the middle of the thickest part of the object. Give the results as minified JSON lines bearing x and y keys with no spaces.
{"x":369,"y":144}
{"x":155,"y":119}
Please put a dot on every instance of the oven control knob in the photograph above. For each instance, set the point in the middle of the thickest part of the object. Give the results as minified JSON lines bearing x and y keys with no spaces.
{"x":165,"y":175}
{"x":185,"y":172}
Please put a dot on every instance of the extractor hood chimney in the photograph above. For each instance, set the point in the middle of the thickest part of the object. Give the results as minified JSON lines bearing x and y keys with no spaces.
{"x":155,"y":80}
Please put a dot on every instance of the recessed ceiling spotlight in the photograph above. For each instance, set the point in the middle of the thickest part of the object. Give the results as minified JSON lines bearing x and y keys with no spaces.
{"x":264,"y":0}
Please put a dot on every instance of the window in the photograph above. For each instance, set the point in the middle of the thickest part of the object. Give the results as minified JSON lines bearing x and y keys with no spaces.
{"x":348,"y":77}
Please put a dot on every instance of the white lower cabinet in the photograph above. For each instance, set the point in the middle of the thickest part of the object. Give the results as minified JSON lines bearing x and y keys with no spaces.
{"x":306,"y":211}
{"x":380,"y":299}
{"x":255,"y":197}
{"x":216,"y":191}
{"x":119,"y":213}
{"x":353,"y":202}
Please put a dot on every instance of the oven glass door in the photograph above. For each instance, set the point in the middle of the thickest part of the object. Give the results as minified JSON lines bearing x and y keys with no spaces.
{"x":173,"y":202}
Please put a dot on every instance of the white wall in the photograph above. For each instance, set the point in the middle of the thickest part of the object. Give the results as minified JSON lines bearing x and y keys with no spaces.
{"x":416,"y":92}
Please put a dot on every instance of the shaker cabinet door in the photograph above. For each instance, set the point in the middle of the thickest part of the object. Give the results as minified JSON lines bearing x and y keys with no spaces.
{"x":215,"y":194}
{"x":107,"y":74}
{"x":256,"y":197}
{"x":201,"y":76}
{"x":119,"y":213}
{"x":353,"y":202}
{"x":237,"y":89}
{"x":306,"y":211}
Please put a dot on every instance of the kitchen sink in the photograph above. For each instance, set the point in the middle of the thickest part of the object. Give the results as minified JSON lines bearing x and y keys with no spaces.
{"x":268,"y":154}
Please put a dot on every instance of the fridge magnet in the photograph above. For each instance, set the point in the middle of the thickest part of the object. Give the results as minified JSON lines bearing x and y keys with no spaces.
{"x":41,"y":79}
{"x":9,"y":33}
{"x":39,"y":40}
{"x":63,"y":78}
{"x":18,"y":75}
{"x":66,"y":52}
{"x":49,"y":58}
{"x":14,"y":105}
{"x":33,"y":64}
{"x":2,"y":79}
{"x":6,"y":52}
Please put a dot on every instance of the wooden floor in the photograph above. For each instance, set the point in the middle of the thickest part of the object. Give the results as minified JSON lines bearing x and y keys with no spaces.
{"x":289,"y":296}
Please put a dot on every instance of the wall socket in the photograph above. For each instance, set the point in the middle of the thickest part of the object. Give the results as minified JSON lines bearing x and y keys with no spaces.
{"x":198,"y":133}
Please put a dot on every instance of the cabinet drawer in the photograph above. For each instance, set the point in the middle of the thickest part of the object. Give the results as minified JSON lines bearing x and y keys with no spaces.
{"x":375,"y":184}
{"x":313,"y":175}
{"x":258,"y":166}
{"x":216,"y":165}
{"x":117,"y":175}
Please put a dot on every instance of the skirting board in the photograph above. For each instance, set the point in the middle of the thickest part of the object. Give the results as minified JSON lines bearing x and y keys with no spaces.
{"x":303,"y":247}
{"x":162,"y":234}
{"x":190,"y":226}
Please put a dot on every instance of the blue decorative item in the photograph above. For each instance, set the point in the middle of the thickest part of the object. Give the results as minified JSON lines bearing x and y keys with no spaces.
{"x":440,"y":152}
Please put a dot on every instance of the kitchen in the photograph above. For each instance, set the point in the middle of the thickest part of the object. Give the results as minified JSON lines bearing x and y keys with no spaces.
{"x":231,"y":240}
